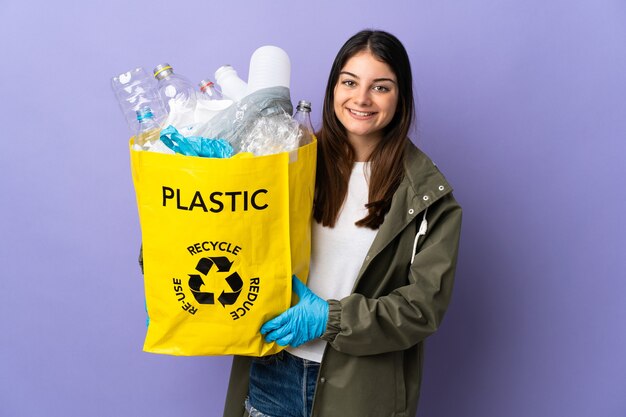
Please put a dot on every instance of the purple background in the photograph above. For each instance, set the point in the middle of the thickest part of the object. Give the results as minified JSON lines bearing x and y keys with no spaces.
{"x":521,"y":104}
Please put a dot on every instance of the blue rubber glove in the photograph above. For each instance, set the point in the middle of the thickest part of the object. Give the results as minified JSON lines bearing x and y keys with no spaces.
{"x":195,"y":145}
{"x":301,"y":323}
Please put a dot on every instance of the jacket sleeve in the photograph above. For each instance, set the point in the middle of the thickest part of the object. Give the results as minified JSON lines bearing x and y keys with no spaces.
{"x":358,"y":325}
{"x":237,"y":387}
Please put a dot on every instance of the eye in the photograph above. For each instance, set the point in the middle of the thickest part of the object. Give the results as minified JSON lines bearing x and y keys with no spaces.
{"x":381,"y":88}
{"x":348,"y":83}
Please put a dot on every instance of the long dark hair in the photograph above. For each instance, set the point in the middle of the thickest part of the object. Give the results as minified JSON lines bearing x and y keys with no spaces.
{"x":335,"y":154}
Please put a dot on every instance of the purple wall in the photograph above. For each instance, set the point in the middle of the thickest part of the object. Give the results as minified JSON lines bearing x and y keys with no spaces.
{"x":521,"y":103}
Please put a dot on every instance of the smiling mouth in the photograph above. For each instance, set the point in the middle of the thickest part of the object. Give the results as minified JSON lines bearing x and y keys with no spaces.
{"x":361,"y":113}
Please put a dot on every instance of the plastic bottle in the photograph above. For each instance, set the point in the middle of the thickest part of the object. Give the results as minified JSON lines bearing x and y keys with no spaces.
{"x":148,"y":130}
{"x":209,"y":91}
{"x":174,"y":87}
{"x":232,"y":86}
{"x":269,"y":67}
{"x":134,"y":90}
{"x":303,"y":117}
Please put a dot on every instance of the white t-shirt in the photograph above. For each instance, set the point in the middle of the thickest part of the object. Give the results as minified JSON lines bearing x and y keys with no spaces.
{"x":337,"y":253}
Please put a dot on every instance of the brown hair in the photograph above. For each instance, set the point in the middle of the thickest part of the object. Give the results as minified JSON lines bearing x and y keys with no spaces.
{"x":335,"y":154}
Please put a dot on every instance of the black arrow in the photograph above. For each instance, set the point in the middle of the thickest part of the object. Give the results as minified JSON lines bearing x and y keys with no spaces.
{"x":236,"y":284}
{"x":205,"y":264}
{"x":195,"y":282}
{"x":223,"y":264}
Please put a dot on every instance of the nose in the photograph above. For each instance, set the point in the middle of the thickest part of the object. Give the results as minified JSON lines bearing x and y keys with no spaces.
{"x":362,"y":96}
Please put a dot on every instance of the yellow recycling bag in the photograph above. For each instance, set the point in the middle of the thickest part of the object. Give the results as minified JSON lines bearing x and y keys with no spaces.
{"x":221,"y":239}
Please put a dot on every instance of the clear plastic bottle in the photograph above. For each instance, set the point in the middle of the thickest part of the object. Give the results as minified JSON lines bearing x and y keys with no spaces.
{"x":174,"y":87}
{"x":149,"y":131}
{"x":303,"y":117}
{"x":209,"y":91}
{"x":135,"y":89}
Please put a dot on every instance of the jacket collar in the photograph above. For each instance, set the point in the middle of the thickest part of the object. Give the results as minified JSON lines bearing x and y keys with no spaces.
{"x":422,"y":185}
{"x":424,"y":182}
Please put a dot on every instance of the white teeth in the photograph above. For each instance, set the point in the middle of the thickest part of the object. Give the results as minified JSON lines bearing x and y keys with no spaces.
{"x":360,"y":113}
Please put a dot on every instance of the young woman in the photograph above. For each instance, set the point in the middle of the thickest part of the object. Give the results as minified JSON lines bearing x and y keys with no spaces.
{"x":385,"y":241}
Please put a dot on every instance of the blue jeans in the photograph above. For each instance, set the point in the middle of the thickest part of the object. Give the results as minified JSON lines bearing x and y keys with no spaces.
{"x":281,"y":385}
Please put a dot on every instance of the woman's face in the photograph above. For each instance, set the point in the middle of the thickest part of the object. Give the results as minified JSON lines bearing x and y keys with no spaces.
{"x":366,"y":96}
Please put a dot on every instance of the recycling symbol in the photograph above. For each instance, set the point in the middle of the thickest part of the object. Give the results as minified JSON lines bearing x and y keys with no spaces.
{"x":222,"y":264}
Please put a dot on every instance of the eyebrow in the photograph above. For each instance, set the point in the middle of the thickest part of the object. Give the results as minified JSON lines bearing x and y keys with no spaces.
{"x":375,"y":80}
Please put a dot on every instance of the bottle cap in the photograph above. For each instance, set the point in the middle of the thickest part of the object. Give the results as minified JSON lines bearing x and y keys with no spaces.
{"x":304,"y":105}
{"x":204,"y":84}
{"x":162,"y":70}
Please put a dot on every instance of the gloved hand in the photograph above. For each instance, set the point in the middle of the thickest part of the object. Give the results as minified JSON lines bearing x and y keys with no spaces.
{"x":301,"y":323}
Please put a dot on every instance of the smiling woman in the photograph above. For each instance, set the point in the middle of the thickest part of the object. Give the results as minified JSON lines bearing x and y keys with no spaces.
{"x":368,"y":111}
{"x":383,"y":257}
{"x":366,"y":98}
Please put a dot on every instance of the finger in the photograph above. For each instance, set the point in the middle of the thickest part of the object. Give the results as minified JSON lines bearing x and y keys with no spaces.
{"x":276,"y":322}
{"x":277,"y":334}
{"x":273,"y":324}
{"x":286,"y":340}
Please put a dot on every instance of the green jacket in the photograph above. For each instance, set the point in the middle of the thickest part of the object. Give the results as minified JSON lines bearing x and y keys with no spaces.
{"x":373,"y":361}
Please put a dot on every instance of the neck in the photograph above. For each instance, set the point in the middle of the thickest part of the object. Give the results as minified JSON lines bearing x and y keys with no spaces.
{"x":363,"y":146}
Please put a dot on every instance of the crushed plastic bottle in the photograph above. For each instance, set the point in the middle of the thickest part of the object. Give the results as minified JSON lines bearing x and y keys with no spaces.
{"x":269,"y":135}
{"x":235,"y":122}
